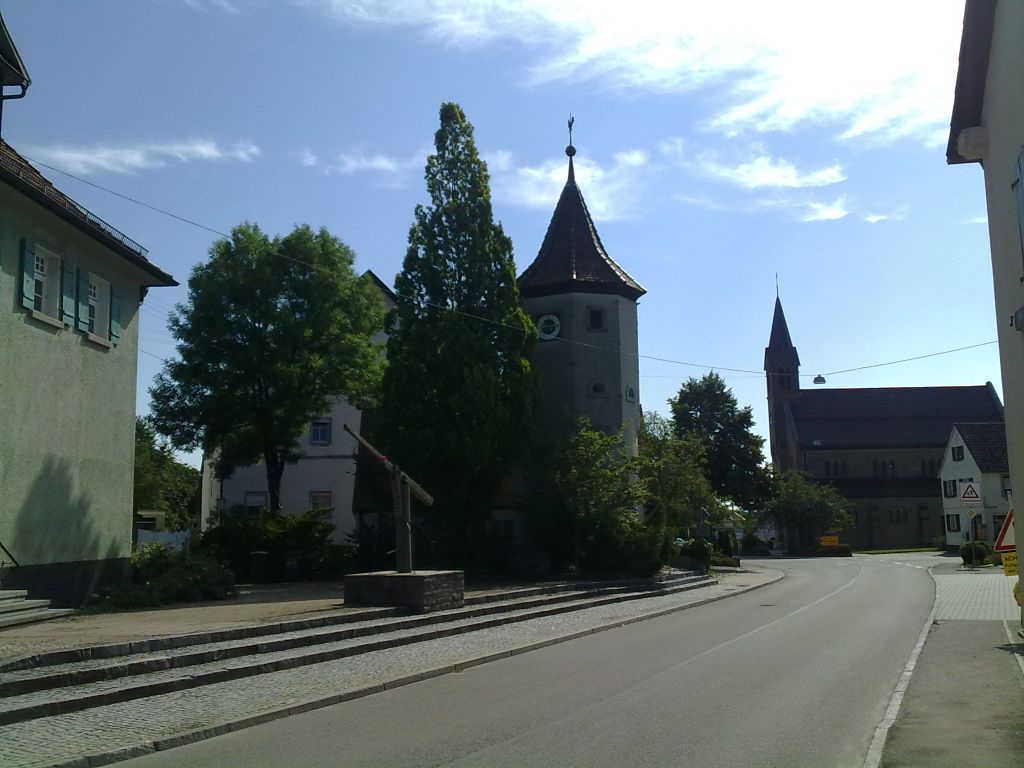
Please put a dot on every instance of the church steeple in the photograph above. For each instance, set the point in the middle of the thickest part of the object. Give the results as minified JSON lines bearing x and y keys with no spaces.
{"x":781,"y":361}
{"x":571,"y":258}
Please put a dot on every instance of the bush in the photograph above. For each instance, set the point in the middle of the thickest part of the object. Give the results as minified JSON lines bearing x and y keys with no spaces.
{"x":296,"y":546}
{"x":982,"y":553}
{"x":842,"y":550}
{"x":753,"y":545}
{"x":160,"y":576}
{"x":724,"y":561}
{"x":695,"y":553}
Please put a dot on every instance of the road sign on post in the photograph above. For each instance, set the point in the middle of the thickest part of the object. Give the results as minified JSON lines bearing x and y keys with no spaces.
{"x":1006,"y":541}
{"x":970,"y":493}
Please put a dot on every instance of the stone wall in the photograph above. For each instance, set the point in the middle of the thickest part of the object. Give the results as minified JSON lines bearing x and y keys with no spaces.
{"x":422,"y":591}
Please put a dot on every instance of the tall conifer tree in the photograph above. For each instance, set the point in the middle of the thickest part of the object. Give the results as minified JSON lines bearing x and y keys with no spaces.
{"x":459,"y":390}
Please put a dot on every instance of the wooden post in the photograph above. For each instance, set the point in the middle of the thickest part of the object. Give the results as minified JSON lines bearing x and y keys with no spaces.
{"x":401,"y":487}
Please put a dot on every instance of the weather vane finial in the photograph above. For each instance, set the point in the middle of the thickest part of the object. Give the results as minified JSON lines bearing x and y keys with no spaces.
{"x":776,"y":285}
{"x":570,"y":150}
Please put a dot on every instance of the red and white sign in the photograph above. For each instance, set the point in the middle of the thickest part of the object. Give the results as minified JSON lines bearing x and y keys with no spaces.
{"x":1005,"y":541}
{"x":970,"y":493}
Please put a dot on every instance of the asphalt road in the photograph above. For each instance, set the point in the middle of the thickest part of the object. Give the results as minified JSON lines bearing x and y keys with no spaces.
{"x":798,"y":673}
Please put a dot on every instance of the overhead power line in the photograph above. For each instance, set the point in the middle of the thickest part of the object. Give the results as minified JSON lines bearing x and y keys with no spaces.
{"x":496,"y":322}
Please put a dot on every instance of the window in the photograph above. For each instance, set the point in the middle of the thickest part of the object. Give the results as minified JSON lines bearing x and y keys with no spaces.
{"x":320,"y":500}
{"x":1007,"y":488}
{"x":953,"y":523}
{"x":630,"y":394}
{"x":997,"y":524}
{"x":320,"y":432}
{"x":958,"y":452}
{"x":949,"y":489}
{"x":255,"y":500}
{"x":598,"y":389}
{"x":93,"y":305}
{"x":596,"y":319}
{"x":41,"y":289}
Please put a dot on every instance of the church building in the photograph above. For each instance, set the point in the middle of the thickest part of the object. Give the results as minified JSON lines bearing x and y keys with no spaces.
{"x":585,"y":308}
{"x":879,"y":447}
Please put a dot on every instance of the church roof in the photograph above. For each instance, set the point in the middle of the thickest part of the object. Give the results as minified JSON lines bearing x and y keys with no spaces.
{"x":779,"y":339}
{"x":889,"y":416}
{"x":571,"y":258}
{"x":987,"y":444}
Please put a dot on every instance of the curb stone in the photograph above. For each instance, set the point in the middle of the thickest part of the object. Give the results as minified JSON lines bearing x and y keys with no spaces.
{"x":201,"y":734}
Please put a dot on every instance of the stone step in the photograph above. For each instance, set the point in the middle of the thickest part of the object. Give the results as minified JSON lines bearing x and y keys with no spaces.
{"x":35,"y":616}
{"x":15,"y":606}
{"x":64,"y":691}
{"x":13,"y":594}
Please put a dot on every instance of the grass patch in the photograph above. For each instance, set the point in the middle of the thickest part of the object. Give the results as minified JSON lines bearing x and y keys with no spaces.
{"x":895,"y":551}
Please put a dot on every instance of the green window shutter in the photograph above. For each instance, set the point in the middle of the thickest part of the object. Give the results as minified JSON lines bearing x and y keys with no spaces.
{"x":82,"y":316}
{"x":28,"y":273}
{"x":115,"y":315}
{"x":67,"y":294}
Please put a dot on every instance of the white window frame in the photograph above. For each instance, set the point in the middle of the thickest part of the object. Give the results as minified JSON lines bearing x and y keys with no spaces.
{"x":255,"y":500}
{"x":316,"y":500}
{"x":325,"y":422}
{"x":950,"y":519}
{"x":98,"y":302}
{"x":47,"y":269}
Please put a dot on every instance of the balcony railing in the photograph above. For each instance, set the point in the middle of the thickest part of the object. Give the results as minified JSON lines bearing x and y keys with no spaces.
{"x":51,"y":192}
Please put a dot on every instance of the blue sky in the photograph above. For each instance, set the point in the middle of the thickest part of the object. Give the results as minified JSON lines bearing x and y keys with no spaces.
{"x":718,"y":144}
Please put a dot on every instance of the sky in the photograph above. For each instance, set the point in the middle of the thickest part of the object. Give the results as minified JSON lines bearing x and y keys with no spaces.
{"x":723,"y":149}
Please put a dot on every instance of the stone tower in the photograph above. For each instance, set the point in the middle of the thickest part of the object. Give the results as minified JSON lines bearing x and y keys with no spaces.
{"x":782,"y":372}
{"x":585,"y":309}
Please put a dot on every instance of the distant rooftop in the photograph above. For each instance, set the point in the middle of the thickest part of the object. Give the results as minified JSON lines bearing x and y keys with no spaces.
{"x":889,"y":416}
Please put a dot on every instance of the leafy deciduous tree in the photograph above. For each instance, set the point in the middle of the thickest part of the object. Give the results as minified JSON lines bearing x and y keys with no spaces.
{"x":804,"y":509}
{"x":273,"y":328}
{"x":678,"y":493}
{"x":458,"y":390}
{"x":706,"y":410}
{"x":162,"y":482}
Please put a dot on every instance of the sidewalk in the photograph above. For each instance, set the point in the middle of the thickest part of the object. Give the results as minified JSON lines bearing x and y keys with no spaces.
{"x":964,"y":706}
{"x":255,"y":605}
{"x":121,"y":730}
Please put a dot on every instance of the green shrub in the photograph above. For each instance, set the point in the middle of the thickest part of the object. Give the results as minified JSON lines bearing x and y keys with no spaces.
{"x":695,"y":552}
{"x":842,"y":550}
{"x":724,"y":561}
{"x":295,"y":546}
{"x":982,"y":553}
{"x":160,"y":576}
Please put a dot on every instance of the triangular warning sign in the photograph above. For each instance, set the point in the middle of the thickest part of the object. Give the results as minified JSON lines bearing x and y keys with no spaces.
{"x":1006,"y":541}
{"x":970,"y":493}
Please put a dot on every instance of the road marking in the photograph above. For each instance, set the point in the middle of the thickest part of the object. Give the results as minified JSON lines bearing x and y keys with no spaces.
{"x":1009,"y":636}
{"x":874,"y":755}
{"x":801,"y":609}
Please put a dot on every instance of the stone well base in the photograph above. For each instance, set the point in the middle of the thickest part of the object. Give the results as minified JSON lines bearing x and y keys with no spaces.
{"x":423,"y":591}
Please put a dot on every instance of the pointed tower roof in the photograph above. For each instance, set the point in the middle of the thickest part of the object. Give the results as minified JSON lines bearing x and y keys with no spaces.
{"x":780,"y":339}
{"x":571,"y":258}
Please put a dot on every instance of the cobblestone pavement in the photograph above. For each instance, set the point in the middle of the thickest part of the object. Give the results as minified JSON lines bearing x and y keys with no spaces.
{"x":66,"y":738}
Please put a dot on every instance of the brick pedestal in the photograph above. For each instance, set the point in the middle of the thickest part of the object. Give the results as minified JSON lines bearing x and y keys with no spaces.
{"x":423,"y":591}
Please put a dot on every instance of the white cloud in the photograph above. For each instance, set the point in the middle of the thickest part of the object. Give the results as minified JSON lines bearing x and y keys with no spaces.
{"x":500,"y":160}
{"x":347,"y":164}
{"x":308,"y":158}
{"x":139,"y":157}
{"x":826,"y":211}
{"x":774,"y":66}
{"x":765,"y":171}
{"x":809,"y":210}
{"x":978,"y":220}
{"x":218,"y":5}
{"x":611,"y":193}
{"x":896,"y":215}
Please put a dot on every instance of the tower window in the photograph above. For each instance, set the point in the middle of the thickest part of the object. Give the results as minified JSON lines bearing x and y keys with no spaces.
{"x":630,"y":394}
{"x":598,"y":389}
{"x":596,"y":319}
